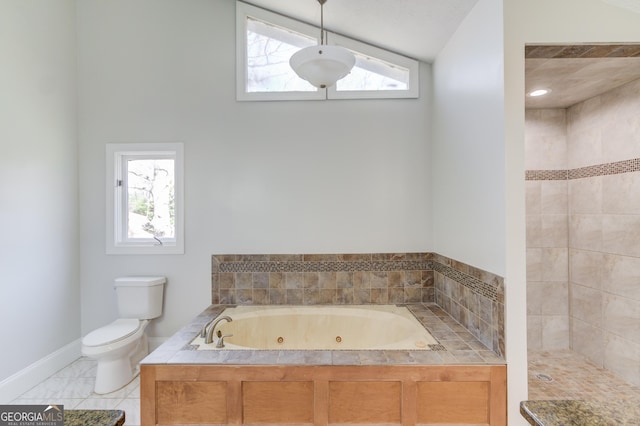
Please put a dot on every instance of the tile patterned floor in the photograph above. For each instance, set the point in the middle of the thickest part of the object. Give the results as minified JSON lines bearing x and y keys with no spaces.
{"x":574,"y":377}
{"x":73,"y":387}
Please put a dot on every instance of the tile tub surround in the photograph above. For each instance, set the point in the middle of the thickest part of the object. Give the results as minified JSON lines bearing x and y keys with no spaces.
{"x":473,"y":297}
{"x":308,"y":279}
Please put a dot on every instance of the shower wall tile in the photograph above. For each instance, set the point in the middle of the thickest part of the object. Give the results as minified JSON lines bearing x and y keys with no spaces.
{"x":615,"y":193}
{"x":554,"y":232}
{"x":585,"y":147}
{"x":584,"y":131}
{"x":556,"y":302}
{"x":547,"y":228}
{"x":585,"y":195}
{"x":534,"y":230}
{"x":548,"y":298}
{"x":605,"y":230}
{"x":586,"y":304}
{"x":585,"y":268}
{"x":533,"y":193}
{"x":621,"y":276}
{"x":621,"y":316}
{"x":621,"y":122}
{"x":620,"y":234}
{"x":535,"y":298}
{"x":622,"y":357}
{"x":555,"y":329}
{"x":553,"y":197}
{"x":534,"y":332}
{"x":534,"y":264}
{"x":545,"y":135}
{"x":556,"y":262}
{"x":585,"y":231}
{"x":587,"y":340}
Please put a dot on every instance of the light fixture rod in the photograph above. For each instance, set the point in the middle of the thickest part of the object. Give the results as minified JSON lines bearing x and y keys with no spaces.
{"x":322,"y":2}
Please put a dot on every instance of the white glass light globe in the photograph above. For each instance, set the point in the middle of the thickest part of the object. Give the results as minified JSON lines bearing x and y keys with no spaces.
{"x":322,"y":65}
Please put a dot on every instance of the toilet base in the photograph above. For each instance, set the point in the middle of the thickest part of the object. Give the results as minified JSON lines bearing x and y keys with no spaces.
{"x":114,"y":374}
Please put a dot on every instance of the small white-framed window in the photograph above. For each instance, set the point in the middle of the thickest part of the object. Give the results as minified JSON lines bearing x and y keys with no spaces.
{"x":145,"y":207}
{"x":265,"y":41}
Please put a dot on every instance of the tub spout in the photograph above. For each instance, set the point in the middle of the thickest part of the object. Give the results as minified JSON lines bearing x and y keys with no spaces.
{"x":212,"y":329}
{"x":203,"y":332}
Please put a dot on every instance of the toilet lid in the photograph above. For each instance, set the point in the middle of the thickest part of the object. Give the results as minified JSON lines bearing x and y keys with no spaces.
{"x":117,"y":330}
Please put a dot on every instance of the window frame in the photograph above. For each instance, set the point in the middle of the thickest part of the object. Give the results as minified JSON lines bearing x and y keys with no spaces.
{"x":413,"y":90}
{"x":244,"y":10}
{"x":116,"y":198}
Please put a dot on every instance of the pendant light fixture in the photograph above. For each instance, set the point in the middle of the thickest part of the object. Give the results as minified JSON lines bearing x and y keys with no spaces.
{"x":322,"y":65}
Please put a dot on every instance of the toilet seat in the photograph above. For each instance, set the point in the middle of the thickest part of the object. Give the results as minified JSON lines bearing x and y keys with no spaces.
{"x":118,"y":330}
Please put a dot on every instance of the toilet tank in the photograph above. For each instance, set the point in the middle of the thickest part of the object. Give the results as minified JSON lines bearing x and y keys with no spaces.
{"x":140,"y":297}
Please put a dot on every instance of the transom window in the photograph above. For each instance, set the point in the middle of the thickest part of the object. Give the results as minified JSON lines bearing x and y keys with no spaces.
{"x":266,"y":41}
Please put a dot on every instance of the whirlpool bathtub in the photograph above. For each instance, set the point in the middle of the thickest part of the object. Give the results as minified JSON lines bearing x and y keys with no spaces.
{"x":321,"y":327}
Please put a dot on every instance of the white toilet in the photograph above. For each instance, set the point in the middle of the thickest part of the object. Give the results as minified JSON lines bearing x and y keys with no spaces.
{"x":121,"y":345}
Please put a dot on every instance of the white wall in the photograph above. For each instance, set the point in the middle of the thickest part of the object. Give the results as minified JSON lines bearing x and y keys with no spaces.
{"x":39,"y":291}
{"x":260,"y":177}
{"x":468,"y":143}
{"x":526,"y":22}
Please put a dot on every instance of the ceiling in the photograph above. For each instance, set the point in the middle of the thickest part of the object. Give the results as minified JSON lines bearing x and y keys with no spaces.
{"x":577,"y":72}
{"x":418,"y":29}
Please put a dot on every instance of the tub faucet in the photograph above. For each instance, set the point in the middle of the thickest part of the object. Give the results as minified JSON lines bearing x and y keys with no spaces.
{"x":210,"y":332}
{"x":203,"y":332}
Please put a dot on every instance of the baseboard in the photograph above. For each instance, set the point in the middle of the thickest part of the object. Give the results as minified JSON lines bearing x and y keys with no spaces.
{"x":17,"y":384}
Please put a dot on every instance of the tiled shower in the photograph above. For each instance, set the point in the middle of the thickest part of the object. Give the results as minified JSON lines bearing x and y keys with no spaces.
{"x":583,"y":229}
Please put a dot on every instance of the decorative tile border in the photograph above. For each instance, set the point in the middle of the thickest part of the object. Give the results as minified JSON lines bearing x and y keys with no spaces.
{"x":546,"y":174}
{"x":487,"y":290}
{"x":626,"y":166}
{"x":605,"y":169}
{"x":325,"y":266}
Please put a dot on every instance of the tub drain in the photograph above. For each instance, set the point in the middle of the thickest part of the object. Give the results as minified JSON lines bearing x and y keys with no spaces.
{"x":544,"y":377}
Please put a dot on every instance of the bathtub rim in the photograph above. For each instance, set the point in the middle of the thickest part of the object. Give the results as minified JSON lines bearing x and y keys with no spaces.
{"x":176,"y":350}
{"x":390,"y":312}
